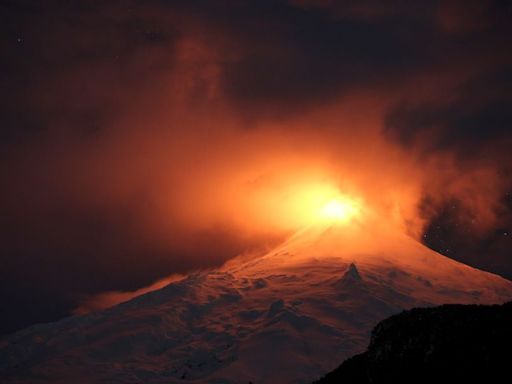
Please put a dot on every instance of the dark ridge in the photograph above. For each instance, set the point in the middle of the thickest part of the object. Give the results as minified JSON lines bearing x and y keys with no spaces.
{"x":449,"y":343}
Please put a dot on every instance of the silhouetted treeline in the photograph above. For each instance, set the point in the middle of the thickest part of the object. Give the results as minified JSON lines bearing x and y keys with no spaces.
{"x":450,"y":343}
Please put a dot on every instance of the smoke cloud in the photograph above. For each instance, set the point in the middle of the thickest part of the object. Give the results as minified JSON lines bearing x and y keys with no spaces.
{"x":140,"y":140}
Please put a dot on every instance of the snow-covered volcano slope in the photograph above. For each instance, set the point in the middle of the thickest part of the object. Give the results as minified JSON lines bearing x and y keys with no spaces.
{"x":288,"y":316}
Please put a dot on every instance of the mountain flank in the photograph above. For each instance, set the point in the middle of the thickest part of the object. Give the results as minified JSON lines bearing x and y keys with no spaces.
{"x":286,"y":316}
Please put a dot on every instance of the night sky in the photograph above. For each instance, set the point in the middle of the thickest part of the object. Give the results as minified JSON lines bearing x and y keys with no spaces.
{"x":134,"y":134}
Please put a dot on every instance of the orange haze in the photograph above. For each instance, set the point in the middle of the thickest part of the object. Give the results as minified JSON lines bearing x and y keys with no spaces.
{"x":184,"y":170}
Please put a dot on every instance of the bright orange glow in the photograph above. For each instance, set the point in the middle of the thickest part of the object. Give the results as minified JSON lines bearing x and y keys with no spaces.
{"x":339,"y":210}
{"x":299,"y":204}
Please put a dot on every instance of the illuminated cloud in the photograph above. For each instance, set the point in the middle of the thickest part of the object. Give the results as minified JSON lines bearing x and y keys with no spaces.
{"x":139,"y":141}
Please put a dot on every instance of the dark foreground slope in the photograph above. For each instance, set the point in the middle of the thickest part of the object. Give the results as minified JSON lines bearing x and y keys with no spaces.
{"x":450,"y":343}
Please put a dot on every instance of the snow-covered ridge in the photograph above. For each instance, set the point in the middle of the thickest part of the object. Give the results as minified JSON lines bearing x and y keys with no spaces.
{"x":288,"y":316}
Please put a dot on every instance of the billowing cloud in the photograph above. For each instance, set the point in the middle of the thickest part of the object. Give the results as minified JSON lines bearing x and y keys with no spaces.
{"x":139,"y":140}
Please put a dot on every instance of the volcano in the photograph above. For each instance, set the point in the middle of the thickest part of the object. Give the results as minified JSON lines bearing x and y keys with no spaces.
{"x":286,"y":316}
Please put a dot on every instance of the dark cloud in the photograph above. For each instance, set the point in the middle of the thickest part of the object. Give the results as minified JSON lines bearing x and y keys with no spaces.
{"x":455,"y":232}
{"x":477,"y":116}
{"x":469,"y":121}
{"x":292,"y":57}
{"x":474,"y":128}
{"x":72,"y":65}
{"x":317,"y":60}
